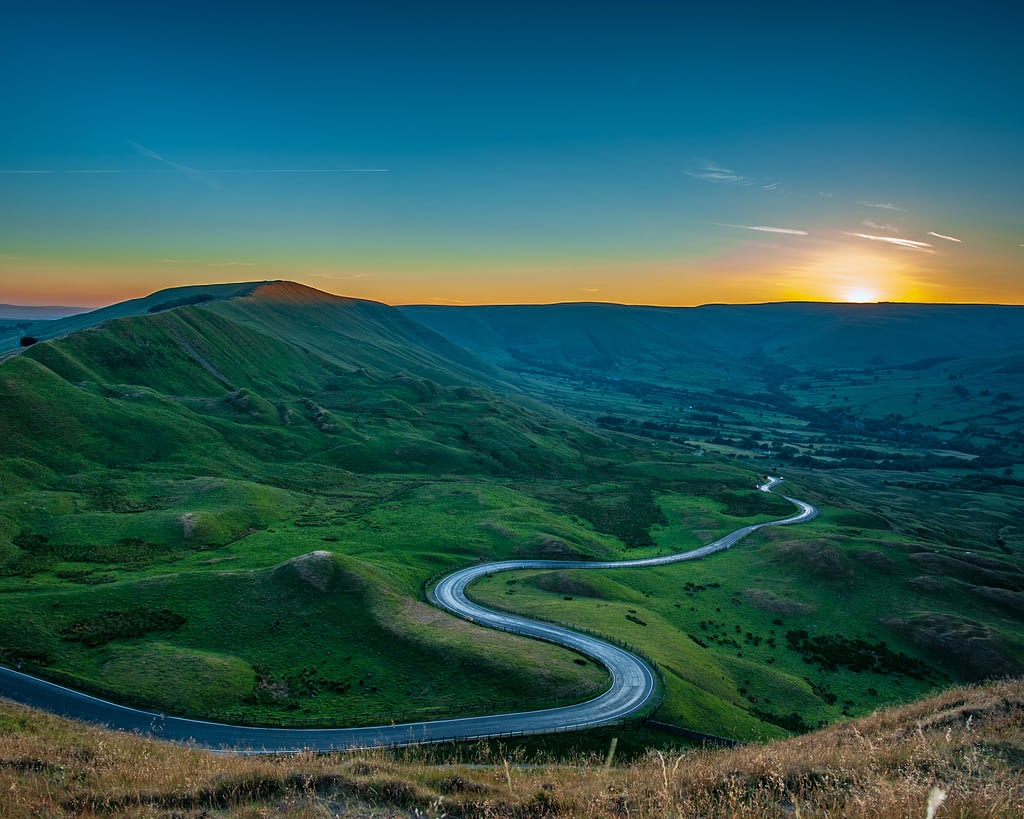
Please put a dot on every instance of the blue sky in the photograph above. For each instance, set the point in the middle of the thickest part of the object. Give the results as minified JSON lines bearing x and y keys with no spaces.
{"x":461,"y":152}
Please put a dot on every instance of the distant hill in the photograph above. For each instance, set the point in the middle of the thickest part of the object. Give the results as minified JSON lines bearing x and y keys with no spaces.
{"x":155,"y":302}
{"x":26,"y":312}
{"x":617,"y":337}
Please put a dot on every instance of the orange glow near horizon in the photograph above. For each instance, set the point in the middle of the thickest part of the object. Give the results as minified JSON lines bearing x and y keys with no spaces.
{"x":827,"y":272}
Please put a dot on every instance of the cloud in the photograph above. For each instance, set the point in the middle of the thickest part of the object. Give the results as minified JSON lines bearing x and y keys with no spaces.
{"x":336,"y":277}
{"x":876,"y":226}
{"x":882,"y":206}
{"x":208,"y":177}
{"x":824,"y":194}
{"x":771,"y":186}
{"x":767,"y":229}
{"x":713,"y":172}
{"x":205,"y":176}
{"x":908,"y":243}
{"x":192,"y":173}
{"x":231,"y":263}
{"x":304,"y":170}
{"x":944,"y":236}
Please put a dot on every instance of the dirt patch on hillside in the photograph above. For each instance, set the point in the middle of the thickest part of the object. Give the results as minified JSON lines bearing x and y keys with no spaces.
{"x":317,"y":569}
{"x":770,"y":601}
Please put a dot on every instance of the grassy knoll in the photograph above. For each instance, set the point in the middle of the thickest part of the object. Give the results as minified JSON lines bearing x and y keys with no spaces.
{"x":960,"y":751}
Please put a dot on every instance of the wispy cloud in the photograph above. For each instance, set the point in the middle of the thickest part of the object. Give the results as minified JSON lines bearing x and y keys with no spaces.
{"x":876,"y":226}
{"x":944,"y":236}
{"x":767,"y":229}
{"x":303,"y":170}
{"x":892,"y":240}
{"x":882,"y":206}
{"x":192,"y":173}
{"x":230,"y":263}
{"x":204,"y":176}
{"x":713,"y":172}
{"x":770,"y":186}
{"x":335,"y":277}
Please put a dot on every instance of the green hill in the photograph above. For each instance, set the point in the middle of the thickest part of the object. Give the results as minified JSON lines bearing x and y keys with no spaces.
{"x":812,"y":334}
{"x":156,"y":467}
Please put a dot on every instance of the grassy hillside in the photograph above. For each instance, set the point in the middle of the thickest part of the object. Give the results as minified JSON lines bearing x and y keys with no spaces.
{"x":168,"y":478}
{"x":960,"y":753}
{"x":229,"y":507}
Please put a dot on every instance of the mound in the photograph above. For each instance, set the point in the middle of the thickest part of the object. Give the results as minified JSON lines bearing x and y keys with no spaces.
{"x":770,"y":601}
{"x":821,"y":558}
{"x":317,"y":569}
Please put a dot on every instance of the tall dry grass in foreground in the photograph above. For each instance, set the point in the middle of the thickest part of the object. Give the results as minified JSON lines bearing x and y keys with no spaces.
{"x":959,"y":754}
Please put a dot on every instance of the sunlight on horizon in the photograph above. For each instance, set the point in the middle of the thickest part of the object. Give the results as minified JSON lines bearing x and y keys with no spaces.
{"x":860,"y":295}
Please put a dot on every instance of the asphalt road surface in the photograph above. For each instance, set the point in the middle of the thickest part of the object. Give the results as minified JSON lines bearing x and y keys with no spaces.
{"x":633,"y":686}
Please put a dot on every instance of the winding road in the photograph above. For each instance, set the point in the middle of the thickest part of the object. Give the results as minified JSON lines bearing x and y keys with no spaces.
{"x":633,"y":686}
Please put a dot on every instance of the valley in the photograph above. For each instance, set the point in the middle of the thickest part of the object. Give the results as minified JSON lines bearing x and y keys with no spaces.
{"x":230,"y":507}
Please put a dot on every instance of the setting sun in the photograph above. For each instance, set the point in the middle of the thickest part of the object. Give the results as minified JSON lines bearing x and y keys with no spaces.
{"x":860,"y":295}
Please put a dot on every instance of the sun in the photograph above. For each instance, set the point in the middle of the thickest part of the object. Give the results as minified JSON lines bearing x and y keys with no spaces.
{"x":860,"y":294}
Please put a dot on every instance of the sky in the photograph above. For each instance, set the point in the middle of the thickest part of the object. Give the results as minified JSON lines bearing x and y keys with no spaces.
{"x":444,"y":152}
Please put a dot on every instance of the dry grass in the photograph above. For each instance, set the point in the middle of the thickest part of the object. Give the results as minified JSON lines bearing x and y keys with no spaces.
{"x":959,"y":754}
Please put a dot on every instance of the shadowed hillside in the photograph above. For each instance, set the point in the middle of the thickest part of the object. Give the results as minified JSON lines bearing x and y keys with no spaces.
{"x":617,"y":336}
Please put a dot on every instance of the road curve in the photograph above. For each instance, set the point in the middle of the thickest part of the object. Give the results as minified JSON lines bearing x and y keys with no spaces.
{"x":634,"y":682}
